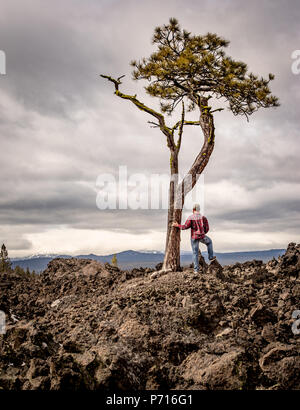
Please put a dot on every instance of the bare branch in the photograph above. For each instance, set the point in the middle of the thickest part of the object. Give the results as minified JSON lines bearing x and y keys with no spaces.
{"x":180,"y":128}
{"x":185,"y":123}
{"x":117,"y":82}
{"x":217,"y":109}
{"x":162,"y":125}
{"x":155,"y":125}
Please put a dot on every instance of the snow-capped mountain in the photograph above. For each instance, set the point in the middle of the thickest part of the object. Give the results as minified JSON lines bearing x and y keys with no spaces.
{"x":36,"y":256}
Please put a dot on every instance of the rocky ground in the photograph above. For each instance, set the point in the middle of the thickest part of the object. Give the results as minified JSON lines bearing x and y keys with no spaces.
{"x":85,"y":325}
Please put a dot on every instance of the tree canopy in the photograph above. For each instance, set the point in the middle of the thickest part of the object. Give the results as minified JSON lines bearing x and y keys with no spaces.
{"x":191,"y":66}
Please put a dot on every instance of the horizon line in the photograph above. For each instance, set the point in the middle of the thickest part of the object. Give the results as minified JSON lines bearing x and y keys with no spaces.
{"x":138,"y":251}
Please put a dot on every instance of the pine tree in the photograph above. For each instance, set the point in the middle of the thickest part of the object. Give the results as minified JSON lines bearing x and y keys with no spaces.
{"x":189,"y":70}
{"x":5,"y":263}
{"x":19,"y":271}
{"x":114,"y":260}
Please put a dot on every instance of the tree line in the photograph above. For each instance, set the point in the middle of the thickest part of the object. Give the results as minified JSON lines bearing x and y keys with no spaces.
{"x":6,"y":265}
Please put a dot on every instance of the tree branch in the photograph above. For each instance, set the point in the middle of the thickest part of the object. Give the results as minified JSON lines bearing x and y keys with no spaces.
{"x":180,"y":128}
{"x":155,"y":125}
{"x":185,"y":123}
{"x":162,"y":125}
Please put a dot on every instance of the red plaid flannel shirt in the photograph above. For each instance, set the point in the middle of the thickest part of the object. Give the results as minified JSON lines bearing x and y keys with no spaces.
{"x":198,"y":224}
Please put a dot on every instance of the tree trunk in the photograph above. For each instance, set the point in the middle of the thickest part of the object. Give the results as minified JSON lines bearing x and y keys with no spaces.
{"x":172,"y":249}
{"x":172,"y":252}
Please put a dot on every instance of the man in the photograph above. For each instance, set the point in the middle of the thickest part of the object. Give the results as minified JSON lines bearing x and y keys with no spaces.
{"x":199,"y":227}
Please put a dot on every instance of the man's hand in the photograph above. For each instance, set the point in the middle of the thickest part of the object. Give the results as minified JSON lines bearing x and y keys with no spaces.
{"x":175,"y":224}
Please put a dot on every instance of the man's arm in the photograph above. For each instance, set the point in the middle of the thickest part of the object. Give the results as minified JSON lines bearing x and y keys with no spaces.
{"x":205,"y":225}
{"x":187,"y":224}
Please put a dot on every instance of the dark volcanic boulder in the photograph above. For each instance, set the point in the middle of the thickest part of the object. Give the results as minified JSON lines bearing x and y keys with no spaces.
{"x":281,"y":364}
{"x":290,"y":261}
{"x":214,"y":372}
{"x":216,"y":269}
{"x":261,"y":315}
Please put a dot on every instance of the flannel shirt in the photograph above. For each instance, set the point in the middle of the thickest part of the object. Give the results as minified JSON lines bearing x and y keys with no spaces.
{"x":198,"y":224}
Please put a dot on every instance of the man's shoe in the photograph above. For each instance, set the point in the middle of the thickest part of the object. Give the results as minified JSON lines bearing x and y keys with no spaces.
{"x":213,"y":258}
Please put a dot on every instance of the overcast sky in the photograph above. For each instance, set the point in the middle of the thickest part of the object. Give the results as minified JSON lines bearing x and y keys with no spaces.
{"x":61,"y":126}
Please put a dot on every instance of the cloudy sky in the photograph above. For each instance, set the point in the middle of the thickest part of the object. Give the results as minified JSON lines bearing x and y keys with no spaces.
{"x":61,"y":126}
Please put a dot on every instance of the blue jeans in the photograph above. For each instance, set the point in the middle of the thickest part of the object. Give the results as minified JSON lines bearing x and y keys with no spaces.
{"x":195,"y":247}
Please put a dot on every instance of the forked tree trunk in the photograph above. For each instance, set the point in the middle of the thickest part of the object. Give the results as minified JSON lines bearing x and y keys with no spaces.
{"x":172,"y":252}
{"x":172,"y":249}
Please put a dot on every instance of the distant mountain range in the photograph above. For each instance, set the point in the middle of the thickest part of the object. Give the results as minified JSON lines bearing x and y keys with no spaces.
{"x":133,"y":259}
